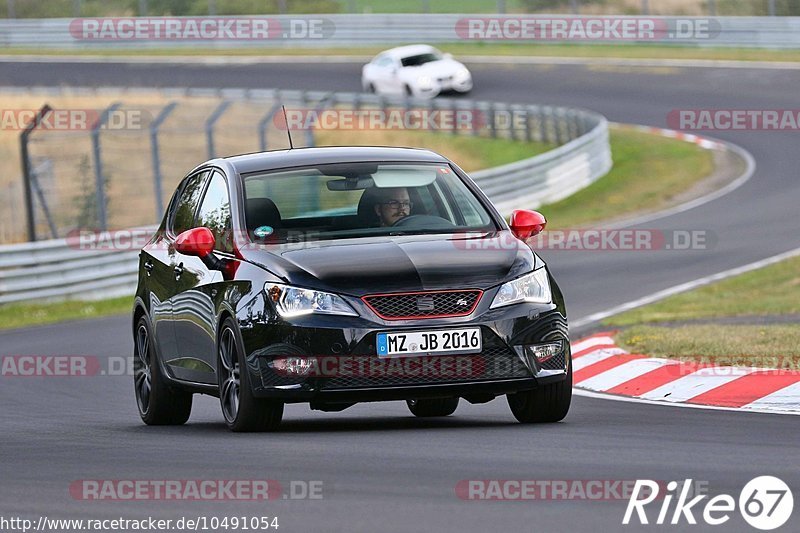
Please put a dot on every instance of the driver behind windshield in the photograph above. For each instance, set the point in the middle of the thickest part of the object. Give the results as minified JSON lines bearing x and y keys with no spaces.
{"x":392,"y":205}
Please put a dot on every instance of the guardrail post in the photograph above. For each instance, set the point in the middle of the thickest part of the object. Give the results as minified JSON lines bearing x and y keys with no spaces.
{"x":528,"y":133}
{"x":543,"y":124}
{"x":154,"y":152}
{"x":99,"y":184}
{"x":212,"y":119}
{"x":492,"y":119}
{"x":26,"y":169}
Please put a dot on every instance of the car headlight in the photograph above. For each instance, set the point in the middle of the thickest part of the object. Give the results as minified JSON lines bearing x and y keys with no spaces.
{"x":462,"y":73}
{"x":424,"y":81}
{"x":531,"y":288}
{"x":295,"y":301}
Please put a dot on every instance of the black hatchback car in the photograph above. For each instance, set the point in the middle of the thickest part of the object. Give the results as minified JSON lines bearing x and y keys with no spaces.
{"x":342,"y":275}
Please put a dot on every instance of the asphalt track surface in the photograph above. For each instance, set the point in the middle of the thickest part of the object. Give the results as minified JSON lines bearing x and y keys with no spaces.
{"x":382,"y":469}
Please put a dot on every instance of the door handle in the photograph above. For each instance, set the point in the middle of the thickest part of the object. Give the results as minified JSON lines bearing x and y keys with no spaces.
{"x":148,"y":265}
{"x":178,"y":270}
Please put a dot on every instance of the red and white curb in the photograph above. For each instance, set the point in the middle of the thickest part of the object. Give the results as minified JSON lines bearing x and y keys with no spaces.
{"x":703,"y":142}
{"x":599,"y":365}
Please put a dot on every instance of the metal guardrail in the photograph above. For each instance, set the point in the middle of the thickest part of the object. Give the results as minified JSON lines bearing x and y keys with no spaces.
{"x":93,"y":266}
{"x":318,"y":31}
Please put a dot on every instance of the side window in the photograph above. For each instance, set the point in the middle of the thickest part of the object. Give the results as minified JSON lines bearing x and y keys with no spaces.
{"x":185,"y":207}
{"x":215,"y":212}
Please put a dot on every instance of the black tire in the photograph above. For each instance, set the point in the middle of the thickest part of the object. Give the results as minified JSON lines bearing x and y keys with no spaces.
{"x":430,"y":407}
{"x":242,"y":411}
{"x":159,"y":404}
{"x":546,"y":404}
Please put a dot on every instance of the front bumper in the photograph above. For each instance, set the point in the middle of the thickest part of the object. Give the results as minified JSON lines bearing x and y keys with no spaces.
{"x":349,"y":369}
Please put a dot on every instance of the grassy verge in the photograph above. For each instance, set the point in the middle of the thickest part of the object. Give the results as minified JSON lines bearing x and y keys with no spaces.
{"x":773,"y":290}
{"x":649,"y":171}
{"x":624,"y":51}
{"x":36,"y":314}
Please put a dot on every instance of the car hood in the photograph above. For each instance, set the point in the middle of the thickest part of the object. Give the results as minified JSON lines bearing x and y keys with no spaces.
{"x":435,"y":69}
{"x":407,"y":263}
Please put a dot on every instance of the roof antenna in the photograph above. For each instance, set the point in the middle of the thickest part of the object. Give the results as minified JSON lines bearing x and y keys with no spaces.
{"x":288,"y":131}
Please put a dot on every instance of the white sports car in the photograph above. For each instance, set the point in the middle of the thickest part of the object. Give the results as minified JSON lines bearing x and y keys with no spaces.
{"x":416,"y":70}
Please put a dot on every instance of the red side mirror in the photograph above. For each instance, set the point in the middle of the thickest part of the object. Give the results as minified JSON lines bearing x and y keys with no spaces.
{"x":197,"y":242}
{"x":525,"y":224}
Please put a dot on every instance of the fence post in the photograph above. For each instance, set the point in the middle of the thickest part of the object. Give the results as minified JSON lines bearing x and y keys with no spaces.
{"x":712,"y":7}
{"x":11,"y":11}
{"x":501,"y":7}
{"x":142,"y":8}
{"x":99,"y":183}
{"x":162,"y":116}
{"x":42,"y":200}
{"x":645,"y":7}
{"x":574,"y":5}
{"x":262,"y":125}
{"x":26,"y":169}
{"x":212,"y":119}
{"x":320,"y":107}
{"x":212,"y":8}
{"x":771,"y":8}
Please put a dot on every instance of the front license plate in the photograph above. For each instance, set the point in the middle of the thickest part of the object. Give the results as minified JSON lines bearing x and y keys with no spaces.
{"x":448,"y":341}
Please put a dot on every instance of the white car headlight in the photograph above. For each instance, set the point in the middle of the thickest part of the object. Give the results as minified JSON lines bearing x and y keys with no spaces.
{"x":462,"y":73}
{"x":531,"y":288}
{"x":424,"y":81}
{"x":295,"y":301}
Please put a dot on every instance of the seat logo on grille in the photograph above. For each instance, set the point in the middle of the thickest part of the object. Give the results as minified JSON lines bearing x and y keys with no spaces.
{"x":425,"y":303}
{"x":462,"y":302}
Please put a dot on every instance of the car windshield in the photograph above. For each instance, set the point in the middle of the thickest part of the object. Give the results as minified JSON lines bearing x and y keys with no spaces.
{"x":349,"y":200}
{"x":420,"y":59}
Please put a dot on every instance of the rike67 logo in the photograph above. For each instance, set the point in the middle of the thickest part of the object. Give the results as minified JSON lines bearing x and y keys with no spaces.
{"x":765,"y":503}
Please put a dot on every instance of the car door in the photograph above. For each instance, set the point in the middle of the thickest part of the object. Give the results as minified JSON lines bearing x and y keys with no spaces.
{"x":386,"y":75}
{"x":198,"y":287}
{"x":157,"y":262}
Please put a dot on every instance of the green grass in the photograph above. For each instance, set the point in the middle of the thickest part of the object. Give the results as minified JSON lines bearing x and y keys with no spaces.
{"x":773,"y":290}
{"x":764,"y":346}
{"x":36,"y":314}
{"x":648,"y":172}
{"x":600,"y":51}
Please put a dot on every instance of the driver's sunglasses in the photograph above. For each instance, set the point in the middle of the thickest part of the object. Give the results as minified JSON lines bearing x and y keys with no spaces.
{"x":396,"y":204}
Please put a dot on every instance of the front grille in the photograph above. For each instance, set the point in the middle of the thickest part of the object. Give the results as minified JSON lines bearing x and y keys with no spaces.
{"x":492,"y":364}
{"x":430,"y":304}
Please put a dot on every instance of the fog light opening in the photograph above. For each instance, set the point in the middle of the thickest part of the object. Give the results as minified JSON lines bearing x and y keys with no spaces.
{"x":293,"y":366}
{"x":542,"y":353}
